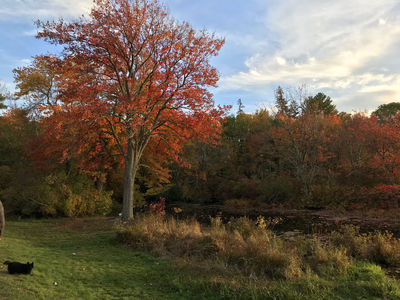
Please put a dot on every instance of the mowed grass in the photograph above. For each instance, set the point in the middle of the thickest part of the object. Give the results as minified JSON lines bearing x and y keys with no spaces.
{"x":78,"y":259}
{"x":75,"y":259}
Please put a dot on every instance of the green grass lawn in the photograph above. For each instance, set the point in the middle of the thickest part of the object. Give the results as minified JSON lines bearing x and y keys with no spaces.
{"x":77,"y":259}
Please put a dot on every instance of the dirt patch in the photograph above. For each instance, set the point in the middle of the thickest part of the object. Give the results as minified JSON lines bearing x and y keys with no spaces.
{"x":393,"y":272}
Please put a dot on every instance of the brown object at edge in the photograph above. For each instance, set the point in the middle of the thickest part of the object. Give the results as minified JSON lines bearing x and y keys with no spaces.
{"x":2,"y":220}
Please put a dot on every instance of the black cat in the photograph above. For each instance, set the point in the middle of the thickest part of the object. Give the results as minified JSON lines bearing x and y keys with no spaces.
{"x":18,"y":268}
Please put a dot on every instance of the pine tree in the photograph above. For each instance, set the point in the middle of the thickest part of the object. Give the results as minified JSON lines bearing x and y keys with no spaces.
{"x":281,"y":103}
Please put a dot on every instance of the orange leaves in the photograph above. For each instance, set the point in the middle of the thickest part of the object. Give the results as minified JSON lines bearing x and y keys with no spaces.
{"x":306,"y":145}
{"x":133,"y":78}
{"x":378,"y":141}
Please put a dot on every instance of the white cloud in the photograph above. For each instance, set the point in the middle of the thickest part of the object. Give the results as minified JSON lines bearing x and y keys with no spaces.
{"x":25,"y":61}
{"x":44,"y":8}
{"x":281,"y":61}
{"x":31,"y":32}
{"x":333,"y":45}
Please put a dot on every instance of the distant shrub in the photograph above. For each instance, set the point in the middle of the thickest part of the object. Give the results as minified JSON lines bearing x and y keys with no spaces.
{"x":277,"y":189}
{"x":158,"y":207}
{"x":56,"y":195}
{"x":245,"y":188}
{"x":30,"y":198}
{"x":325,"y":195}
{"x":5,"y":176}
{"x":240,"y":203}
{"x":383,"y":196}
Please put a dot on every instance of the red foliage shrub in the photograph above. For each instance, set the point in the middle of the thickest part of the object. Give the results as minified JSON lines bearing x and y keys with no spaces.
{"x":158,"y":207}
{"x":383,"y":196}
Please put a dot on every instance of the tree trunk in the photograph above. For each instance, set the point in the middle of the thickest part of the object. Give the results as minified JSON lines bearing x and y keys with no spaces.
{"x":2,"y":220}
{"x":131,"y":163}
{"x":99,"y":185}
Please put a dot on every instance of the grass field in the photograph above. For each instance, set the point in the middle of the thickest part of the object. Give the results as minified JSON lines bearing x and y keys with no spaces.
{"x":77,"y":259}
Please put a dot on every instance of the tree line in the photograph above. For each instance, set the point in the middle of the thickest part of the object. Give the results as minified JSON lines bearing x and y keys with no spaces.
{"x":305,"y":153}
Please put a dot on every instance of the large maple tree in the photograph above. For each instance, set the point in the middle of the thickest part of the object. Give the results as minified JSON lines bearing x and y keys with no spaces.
{"x":132,"y":72}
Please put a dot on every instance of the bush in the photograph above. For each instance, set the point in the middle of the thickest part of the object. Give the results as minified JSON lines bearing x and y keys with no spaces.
{"x":278,"y":189}
{"x":334,"y":195}
{"x":384,"y":196}
{"x":55,"y":195}
{"x":239,"y":204}
{"x":81,"y":198}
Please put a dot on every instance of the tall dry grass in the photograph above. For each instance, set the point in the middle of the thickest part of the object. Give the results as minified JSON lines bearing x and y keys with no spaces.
{"x":241,"y":245}
{"x":379,"y":247}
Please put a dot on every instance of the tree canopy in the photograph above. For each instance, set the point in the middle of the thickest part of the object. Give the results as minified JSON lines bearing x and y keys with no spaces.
{"x":2,"y":99}
{"x":387,"y":111}
{"x":36,"y":84}
{"x":320,"y":103}
{"x":137,"y":76}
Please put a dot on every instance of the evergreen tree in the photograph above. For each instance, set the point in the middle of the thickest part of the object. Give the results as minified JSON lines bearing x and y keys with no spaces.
{"x":387,"y":111}
{"x":293,"y":110}
{"x":320,"y":103}
{"x":281,"y":102}
{"x":240,"y":107}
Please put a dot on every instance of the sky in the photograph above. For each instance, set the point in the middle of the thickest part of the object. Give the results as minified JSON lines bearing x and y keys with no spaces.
{"x":347,"y":49}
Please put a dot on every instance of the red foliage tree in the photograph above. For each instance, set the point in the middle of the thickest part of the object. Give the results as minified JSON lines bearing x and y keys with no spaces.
{"x":139,"y":77}
{"x":371,"y":148}
{"x":383,"y":140}
{"x":386,"y":195}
